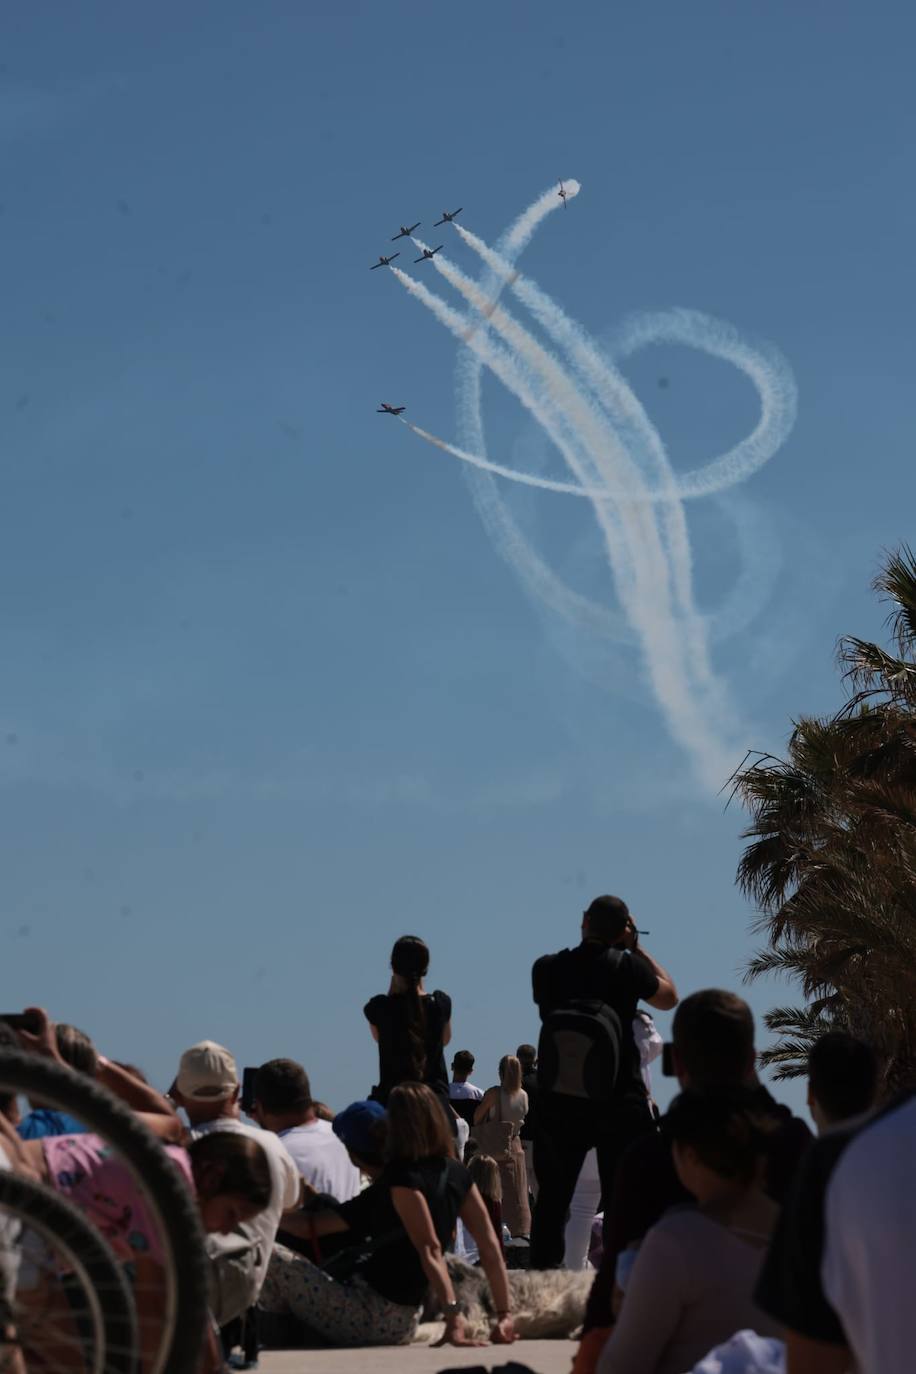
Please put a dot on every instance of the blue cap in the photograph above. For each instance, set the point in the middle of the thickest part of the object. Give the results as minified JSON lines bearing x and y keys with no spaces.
{"x":357,"y":1126}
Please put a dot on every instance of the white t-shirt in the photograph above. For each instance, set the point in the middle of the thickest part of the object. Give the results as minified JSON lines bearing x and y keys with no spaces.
{"x":460,"y":1092}
{"x":870,"y":1243}
{"x":285,"y":1181}
{"x":322,"y":1159}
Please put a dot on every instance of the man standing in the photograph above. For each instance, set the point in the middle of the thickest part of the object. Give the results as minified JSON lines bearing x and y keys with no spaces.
{"x":462,"y":1094}
{"x":283,"y":1104}
{"x":592,"y":1095}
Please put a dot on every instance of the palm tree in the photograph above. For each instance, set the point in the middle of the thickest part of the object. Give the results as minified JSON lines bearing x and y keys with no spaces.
{"x":832,"y":858}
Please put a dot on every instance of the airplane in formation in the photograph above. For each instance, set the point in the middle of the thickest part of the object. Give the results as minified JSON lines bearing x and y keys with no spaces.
{"x":383,"y":261}
{"x":429,"y":253}
{"x":563,"y":193}
{"x":386,"y":409}
{"x":448,"y":216}
{"x":406,"y":231}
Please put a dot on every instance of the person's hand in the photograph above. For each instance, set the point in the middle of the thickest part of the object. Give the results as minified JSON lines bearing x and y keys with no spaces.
{"x":503,"y":1331}
{"x":43,"y":1039}
{"x":455,"y":1333}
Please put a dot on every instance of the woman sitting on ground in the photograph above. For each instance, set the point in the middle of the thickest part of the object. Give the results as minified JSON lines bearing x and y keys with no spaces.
{"x":412,"y":1027}
{"x":410,"y":1213}
{"x":692,"y":1282}
{"x":508,"y":1102}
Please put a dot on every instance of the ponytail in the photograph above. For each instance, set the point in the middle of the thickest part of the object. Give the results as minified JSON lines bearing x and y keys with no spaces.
{"x":410,"y":961}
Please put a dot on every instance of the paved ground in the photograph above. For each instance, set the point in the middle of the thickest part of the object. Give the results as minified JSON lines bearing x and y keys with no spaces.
{"x":542,"y":1357}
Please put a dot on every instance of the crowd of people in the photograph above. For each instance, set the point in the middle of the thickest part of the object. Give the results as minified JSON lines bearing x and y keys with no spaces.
{"x":718,"y":1222}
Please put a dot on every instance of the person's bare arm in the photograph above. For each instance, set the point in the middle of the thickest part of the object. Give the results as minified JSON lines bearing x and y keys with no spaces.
{"x":416,"y":1218}
{"x":805,"y":1356}
{"x":665,"y":998}
{"x":447,"y":1034}
{"x":145,"y":1100}
{"x":482,"y":1110}
{"x":23,"y":1155}
{"x":477,"y":1219}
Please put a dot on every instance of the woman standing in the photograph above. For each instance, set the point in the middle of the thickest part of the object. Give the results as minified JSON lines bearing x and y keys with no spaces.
{"x":412,"y":1027}
{"x":508,"y":1104}
{"x":401,"y":1226}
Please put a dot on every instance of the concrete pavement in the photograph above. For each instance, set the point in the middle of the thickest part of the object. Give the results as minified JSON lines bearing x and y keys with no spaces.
{"x":542,"y":1357}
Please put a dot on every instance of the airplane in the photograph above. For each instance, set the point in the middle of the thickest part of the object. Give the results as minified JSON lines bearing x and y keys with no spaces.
{"x":429,"y":253}
{"x":384,"y":262}
{"x":448,"y":217}
{"x":563,"y":193}
{"x":386,"y":409}
{"x":406,"y":231}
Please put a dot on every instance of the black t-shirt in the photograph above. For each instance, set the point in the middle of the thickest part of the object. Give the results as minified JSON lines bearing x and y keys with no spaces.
{"x":388,"y":1012}
{"x":619,"y":978}
{"x":646,"y":1186}
{"x":394,"y":1269}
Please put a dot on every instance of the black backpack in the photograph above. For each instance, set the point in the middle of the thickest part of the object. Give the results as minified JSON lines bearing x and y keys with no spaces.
{"x":579,"y":1050}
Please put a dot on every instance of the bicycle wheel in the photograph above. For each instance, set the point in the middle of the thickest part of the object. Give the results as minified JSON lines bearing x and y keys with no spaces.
{"x":179,"y":1335}
{"x":86,"y":1322}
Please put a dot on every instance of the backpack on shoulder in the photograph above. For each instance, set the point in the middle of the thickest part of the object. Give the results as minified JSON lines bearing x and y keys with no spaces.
{"x":579,"y":1050}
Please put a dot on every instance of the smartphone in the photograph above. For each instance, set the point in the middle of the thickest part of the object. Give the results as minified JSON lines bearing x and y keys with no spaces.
{"x":20,"y":1020}
{"x":668,"y":1060}
{"x":247,"y":1102}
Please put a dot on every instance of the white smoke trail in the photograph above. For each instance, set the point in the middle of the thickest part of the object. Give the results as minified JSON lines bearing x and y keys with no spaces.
{"x":621,"y":406}
{"x":606,"y":439}
{"x":528,"y":479}
{"x":675,"y":654}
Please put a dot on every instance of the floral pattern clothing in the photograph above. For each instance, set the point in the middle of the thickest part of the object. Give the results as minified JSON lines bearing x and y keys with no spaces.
{"x":346,"y":1313}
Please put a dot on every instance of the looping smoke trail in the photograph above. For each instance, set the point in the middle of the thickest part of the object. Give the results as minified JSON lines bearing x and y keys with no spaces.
{"x":619,"y":464}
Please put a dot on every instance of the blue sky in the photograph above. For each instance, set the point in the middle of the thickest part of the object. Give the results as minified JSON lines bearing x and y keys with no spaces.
{"x":270,"y":697}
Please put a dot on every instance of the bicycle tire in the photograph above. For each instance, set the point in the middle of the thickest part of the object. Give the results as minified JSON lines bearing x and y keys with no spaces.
{"x":165,"y":1192}
{"x":62,"y":1225}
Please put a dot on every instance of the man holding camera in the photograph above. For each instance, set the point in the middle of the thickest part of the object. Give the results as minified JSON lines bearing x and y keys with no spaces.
{"x":591,"y":1091}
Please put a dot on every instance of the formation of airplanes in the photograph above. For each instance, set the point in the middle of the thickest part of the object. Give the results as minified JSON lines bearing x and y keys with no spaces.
{"x":405,"y":231}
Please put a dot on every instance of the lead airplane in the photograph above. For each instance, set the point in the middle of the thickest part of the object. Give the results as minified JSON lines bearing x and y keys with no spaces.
{"x":448,"y":216}
{"x":429,"y":253}
{"x":386,"y":409}
{"x":563,"y":193}
{"x":406,"y":231}
{"x":383,"y":261}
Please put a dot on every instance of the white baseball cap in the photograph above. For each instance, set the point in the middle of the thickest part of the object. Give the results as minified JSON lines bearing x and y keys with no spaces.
{"x":207,"y":1073}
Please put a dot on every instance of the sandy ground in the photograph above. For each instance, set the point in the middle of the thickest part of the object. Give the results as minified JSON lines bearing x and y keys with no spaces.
{"x":542,"y":1357}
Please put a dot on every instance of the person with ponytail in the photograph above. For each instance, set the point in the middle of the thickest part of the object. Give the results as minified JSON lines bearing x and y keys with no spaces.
{"x":412,"y":1027}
